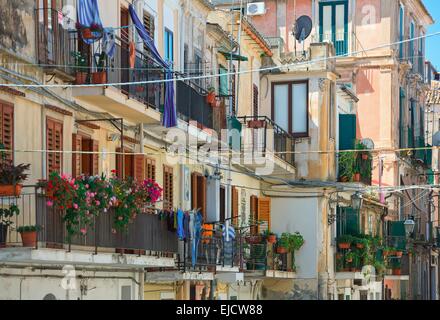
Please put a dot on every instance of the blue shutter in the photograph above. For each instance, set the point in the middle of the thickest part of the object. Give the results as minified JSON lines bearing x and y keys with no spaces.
{"x":347,"y":131}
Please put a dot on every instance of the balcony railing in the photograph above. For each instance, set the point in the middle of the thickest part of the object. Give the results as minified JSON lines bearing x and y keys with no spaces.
{"x":266,"y":136}
{"x":191,"y":104}
{"x":118,"y":70}
{"x":340,"y":41}
{"x":146,"y":233}
{"x":53,"y":44}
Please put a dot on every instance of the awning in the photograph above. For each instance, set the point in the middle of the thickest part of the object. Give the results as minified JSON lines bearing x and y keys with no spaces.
{"x":234,"y":56}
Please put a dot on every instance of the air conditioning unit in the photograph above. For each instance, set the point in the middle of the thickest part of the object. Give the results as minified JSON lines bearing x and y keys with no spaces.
{"x":256,"y":9}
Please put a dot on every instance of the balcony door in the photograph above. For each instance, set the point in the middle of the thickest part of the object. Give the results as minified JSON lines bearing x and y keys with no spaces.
{"x":48,"y":19}
{"x":333,"y":24}
{"x":125,"y":50}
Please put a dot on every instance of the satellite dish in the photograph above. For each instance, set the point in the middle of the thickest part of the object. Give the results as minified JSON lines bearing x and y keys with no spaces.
{"x":368,"y":143}
{"x":303,"y":28}
{"x":436,"y":139}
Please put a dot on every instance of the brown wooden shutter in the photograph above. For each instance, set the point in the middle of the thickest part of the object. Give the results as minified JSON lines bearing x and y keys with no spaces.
{"x":201,"y":199}
{"x":54,"y":142}
{"x":149,"y":24}
{"x":119,"y":168}
{"x":194,"y":190}
{"x":95,"y":158}
{"x":7,"y":129}
{"x":150,"y":168}
{"x":168,"y":190}
{"x":263,"y":214}
{"x":235,"y":210}
{"x":76,"y":157}
{"x":255,"y":101}
{"x":254,"y":214}
{"x":139,"y":167}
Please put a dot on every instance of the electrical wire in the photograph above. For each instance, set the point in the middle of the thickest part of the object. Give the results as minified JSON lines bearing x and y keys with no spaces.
{"x":286,"y":66}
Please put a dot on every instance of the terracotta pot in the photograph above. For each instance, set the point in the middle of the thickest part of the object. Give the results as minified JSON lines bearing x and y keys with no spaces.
{"x":255,"y":124}
{"x":272,"y":239}
{"x":349,"y":260}
{"x":397,"y":272}
{"x":281,"y":250}
{"x":344,"y":245}
{"x":29,"y":239}
{"x":87,"y":33}
{"x":364,"y":156}
{"x":385,"y":253}
{"x":344,"y":179}
{"x":398,"y":254}
{"x":357,"y":177}
{"x":210,"y":98}
{"x":99,"y":77}
{"x":10,"y":190}
{"x":360,"y":245}
{"x":81,"y":78}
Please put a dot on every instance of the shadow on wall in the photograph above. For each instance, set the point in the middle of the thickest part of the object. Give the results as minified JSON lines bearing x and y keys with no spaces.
{"x":297,"y":289}
{"x":365,"y":82}
{"x":12,"y":24}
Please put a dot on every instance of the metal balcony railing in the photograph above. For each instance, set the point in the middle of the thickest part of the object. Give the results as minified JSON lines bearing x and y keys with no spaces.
{"x":146,"y":233}
{"x":267,"y":136}
{"x":340,"y":41}
{"x":53,"y":42}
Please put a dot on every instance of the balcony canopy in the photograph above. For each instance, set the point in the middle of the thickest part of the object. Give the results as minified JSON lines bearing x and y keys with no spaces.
{"x":232,"y":56}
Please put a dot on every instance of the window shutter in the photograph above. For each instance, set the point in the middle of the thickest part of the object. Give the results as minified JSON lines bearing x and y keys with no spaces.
{"x":150,"y":168}
{"x":95,"y":157}
{"x":54,"y":142}
{"x":168,"y":190}
{"x":254,"y":215}
{"x":119,"y":169}
{"x":139,"y":169}
{"x":255,"y":101}
{"x":235,"y":212}
{"x":263,"y":214}
{"x":7,"y":129}
{"x":76,"y":157}
{"x":149,"y":24}
{"x":194,"y":190}
{"x":201,"y":186}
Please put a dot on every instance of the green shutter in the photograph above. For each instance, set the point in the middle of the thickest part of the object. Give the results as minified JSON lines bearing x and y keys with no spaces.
{"x":347,"y":221}
{"x":234,"y":123}
{"x":396,"y":230}
{"x":347,"y":131}
{"x":223,"y":82}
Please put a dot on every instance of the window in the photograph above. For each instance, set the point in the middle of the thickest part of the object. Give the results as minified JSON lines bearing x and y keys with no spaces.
{"x":149,"y":26}
{"x":150,"y":169}
{"x":168,"y":187}
{"x":223,"y":79}
{"x":54,"y":142}
{"x":198,"y":193}
{"x":412,"y":32}
{"x":169,"y":46}
{"x":255,"y":101}
{"x":333,"y":23}
{"x":125,"y":168}
{"x":290,"y":107}
{"x":6,"y":130}
{"x":401,"y":30}
{"x":82,"y":163}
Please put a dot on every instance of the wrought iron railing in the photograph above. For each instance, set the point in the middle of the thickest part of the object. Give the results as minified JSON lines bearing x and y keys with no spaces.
{"x":267,"y":136}
{"x":145,"y":233}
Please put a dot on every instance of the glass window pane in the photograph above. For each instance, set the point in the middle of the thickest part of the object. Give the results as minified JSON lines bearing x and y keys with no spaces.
{"x":299,"y":112}
{"x":281,"y":102}
{"x":340,"y":22}
{"x":327,"y":23}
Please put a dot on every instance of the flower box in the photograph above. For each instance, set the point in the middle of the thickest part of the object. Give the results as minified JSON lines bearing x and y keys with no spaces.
{"x":10,"y":190}
{"x":344,"y":245}
{"x":256,"y":124}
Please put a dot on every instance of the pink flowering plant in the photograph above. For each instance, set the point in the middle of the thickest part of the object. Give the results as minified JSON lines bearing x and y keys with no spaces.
{"x":86,"y":197}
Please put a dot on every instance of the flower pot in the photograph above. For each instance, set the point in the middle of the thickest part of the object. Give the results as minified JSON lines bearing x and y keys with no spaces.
{"x":364,"y":156}
{"x":398,"y":254}
{"x":360,"y":245}
{"x":3,"y":234}
{"x":397,"y":272}
{"x":29,"y":239}
{"x":349,"y":260}
{"x":87,"y":33}
{"x":344,"y":245}
{"x":385,"y":253}
{"x":255,"y":124}
{"x":10,"y":190}
{"x":99,"y":77}
{"x":210,"y":98}
{"x":272,"y":239}
{"x":254,"y":239}
{"x":81,"y":78}
{"x":281,"y":250}
{"x":344,"y":179}
{"x":357,"y":177}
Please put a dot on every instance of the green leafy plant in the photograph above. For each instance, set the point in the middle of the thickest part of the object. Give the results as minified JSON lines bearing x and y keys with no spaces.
{"x":81,"y":63}
{"x":7,"y":213}
{"x":11,"y":174}
{"x":33,"y":228}
{"x":346,"y":163}
{"x":349,"y":257}
{"x":101,"y":61}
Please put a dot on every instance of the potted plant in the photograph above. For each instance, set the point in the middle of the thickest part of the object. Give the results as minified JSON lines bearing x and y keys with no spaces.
{"x":80,"y":67}
{"x":346,"y":165}
{"x":100,"y":76}
{"x":344,"y":241}
{"x":398,"y":253}
{"x":11,"y":178}
{"x":283,"y":244}
{"x":256,"y":124}
{"x":85,"y":32}
{"x":357,"y":177}
{"x":210,"y":98}
{"x":5,"y":221}
{"x":29,"y":235}
{"x":361,"y":243}
{"x":349,"y":257}
{"x":271,"y":237}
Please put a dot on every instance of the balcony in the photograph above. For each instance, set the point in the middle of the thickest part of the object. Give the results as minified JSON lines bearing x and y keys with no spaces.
{"x":147,"y":239}
{"x":355,"y":167}
{"x":53,"y":45}
{"x":264,"y":140}
{"x":340,"y":41}
{"x":138,"y":102}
